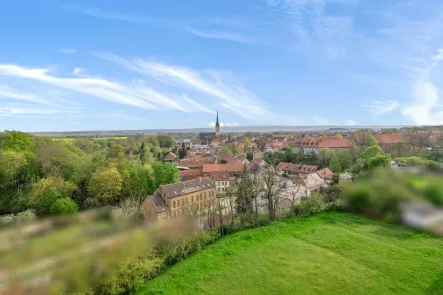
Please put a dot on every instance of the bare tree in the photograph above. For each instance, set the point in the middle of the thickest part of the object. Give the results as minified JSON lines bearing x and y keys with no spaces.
{"x":417,"y":139}
{"x":298,"y":183}
{"x":271,"y":191}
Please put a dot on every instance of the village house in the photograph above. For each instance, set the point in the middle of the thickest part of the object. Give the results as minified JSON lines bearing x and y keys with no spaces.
{"x":315,"y":145}
{"x":222,"y":181}
{"x":389,"y":138}
{"x":234,"y":169}
{"x":326,"y":174}
{"x":190,"y":174}
{"x":287,"y":169}
{"x":182,"y":198}
{"x":170,"y":157}
{"x":191,"y":164}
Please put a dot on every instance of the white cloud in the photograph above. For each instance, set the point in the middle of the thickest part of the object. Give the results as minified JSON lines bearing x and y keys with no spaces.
{"x":77,"y":71}
{"x":382,"y":107}
{"x":211,"y":83}
{"x":350,"y":122}
{"x":11,"y":93}
{"x":67,"y":50}
{"x":422,"y":109}
{"x":219,"y":34}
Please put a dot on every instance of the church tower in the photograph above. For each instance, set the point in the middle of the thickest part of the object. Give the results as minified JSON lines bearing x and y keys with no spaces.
{"x":217,"y":127}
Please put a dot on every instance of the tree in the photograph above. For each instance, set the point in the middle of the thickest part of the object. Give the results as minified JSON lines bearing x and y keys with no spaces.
{"x":324,"y":156}
{"x":46,"y":191}
{"x":165,"y":141}
{"x":370,"y":140}
{"x":245,"y":192}
{"x":106,"y":185}
{"x":224,"y":151}
{"x":261,"y":143}
{"x":64,"y":206}
{"x":271,"y":191}
{"x":289,"y":155}
{"x":372,"y":151}
{"x":335,"y":164}
{"x":165,"y":173}
{"x":417,"y":139}
{"x":183,"y":151}
{"x":233,"y":147}
{"x":338,"y":136}
{"x":379,"y":161}
{"x":17,"y":141}
{"x":345,"y":158}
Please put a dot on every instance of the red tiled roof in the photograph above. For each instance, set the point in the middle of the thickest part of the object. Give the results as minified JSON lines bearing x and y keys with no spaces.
{"x":219,"y":175}
{"x":233,"y":167}
{"x":170,"y":156}
{"x":389,"y":138}
{"x":190,"y":174}
{"x":324,"y":143}
{"x":325,"y":173}
{"x":283,"y":166}
{"x":191,"y":164}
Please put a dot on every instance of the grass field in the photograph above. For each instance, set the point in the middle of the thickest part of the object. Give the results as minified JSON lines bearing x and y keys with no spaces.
{"x":330,"y":253}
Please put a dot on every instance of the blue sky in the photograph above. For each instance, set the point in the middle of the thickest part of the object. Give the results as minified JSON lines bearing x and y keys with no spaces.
{"x":97,"y":65}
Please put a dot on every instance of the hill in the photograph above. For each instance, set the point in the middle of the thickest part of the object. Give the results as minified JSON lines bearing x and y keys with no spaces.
{"x":330,"y":253}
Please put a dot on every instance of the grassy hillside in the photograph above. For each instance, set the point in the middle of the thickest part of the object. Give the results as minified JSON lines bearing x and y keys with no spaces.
{"x":330,"y":253}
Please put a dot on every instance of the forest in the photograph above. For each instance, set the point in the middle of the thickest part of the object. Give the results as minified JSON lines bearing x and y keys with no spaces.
{"x":42,"y":176}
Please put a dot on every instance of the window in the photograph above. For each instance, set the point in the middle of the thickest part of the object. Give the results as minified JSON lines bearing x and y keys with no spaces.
{"x":173,"y":204}
{"x":205,"y":195}
{"x":174,"y":213}
{"x":178,"y":203}
{"x":223,"y":189}
{"x":192,"y":199}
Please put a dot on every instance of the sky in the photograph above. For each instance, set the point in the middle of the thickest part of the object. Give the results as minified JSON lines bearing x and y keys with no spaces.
{"x":144,"y":64}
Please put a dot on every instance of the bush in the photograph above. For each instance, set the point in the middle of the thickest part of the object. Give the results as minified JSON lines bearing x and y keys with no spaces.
{"x":64,"y":206}
{"x":183,"y":248}
{"x":311,"y":205}
{"x":6,"y":220}
{"x":131,"y":274}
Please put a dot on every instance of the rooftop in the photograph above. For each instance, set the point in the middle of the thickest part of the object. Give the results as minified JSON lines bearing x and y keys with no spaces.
{"x":186,"y":187}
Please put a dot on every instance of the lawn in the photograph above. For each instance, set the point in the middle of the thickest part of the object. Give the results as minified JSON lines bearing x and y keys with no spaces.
{"x":330,"y":253}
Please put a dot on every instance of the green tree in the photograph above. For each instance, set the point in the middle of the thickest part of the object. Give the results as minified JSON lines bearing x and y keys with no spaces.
{"x":324,"y":156}
{"x":289,"y":155}
{"x":183,"y":151}
{"x":335,"y":164}
{"x":379,"y":161}
{"x":370,"y":140}
{"x":165,"y":141}
{"x":372,"y":151}
{"x":165,"y":173}
{"x":64,"y":206}
{"x":224,"y":151}
{"x":345,"y":158}
{"x":106,"y":185}
{"x":338,"y":136}
{"x":47,"y":190}
{"x":17,"y":141}
{"x":233,"y":147}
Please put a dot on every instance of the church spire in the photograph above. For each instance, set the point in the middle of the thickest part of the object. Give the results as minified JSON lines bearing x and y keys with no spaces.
{"x":217,"y":127}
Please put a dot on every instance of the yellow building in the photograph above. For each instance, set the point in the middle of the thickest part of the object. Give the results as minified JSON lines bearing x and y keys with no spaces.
{"x":182,"y":198}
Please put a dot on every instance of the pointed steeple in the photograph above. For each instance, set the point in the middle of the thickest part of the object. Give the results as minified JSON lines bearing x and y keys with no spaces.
{"x":217,"y":127}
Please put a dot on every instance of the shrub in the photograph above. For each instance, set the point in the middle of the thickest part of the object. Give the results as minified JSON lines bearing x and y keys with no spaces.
{"x":311,"y":205}
{"x":64,"y":206}
{"x":130,"y":274}
{"x":183,"y":248}
{"x":6,"y":220}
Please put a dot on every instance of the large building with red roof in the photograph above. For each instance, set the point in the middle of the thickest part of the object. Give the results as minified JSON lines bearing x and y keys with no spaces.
{"x":315,"y":145}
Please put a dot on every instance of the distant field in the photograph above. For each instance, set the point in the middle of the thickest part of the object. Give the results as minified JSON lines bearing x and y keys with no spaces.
{"x":331,"y":253}
{"x":71,"y":140}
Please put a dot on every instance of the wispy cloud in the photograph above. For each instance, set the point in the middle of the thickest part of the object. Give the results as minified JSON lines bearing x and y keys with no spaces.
{"x":211,"y":83}
{"x":378,"y":107}
{"x":67,"y":50}
{"x":12,"y":93}
{"x":222,"y":35}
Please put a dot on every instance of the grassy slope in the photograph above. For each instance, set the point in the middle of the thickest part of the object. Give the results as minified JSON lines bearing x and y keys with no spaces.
{"x":331,"y":253}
